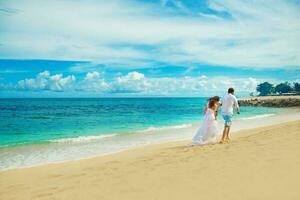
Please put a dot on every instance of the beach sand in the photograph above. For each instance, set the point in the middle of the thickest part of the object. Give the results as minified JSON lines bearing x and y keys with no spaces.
{"x":261,"y":163}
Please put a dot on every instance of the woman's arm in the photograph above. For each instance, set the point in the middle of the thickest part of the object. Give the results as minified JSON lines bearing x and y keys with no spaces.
{"x":216,"y":111}
{"x":216,"y":114}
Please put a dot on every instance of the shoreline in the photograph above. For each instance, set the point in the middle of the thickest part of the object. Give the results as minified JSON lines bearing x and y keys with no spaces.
{"x":151,"y":138}
{"x":157,"y":170}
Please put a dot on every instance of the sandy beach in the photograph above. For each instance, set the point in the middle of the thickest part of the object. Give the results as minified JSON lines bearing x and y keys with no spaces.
{"x":149,"y":100}
{"x":261,"y":163}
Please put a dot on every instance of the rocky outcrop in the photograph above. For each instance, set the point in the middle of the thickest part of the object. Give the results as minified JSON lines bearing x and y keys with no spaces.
{"x":271,"y":102}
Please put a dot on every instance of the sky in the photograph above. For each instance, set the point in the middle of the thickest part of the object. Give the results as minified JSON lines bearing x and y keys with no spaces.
{"x":141,"y":48}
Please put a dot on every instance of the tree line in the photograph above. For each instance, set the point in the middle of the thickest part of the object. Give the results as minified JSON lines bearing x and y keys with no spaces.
{"x":267,"y":88}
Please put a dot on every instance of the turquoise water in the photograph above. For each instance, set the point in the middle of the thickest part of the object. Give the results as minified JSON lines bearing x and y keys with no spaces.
{"x":31,"y":121}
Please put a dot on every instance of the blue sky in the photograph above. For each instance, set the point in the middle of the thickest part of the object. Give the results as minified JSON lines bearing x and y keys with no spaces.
{"x":146,"y":48}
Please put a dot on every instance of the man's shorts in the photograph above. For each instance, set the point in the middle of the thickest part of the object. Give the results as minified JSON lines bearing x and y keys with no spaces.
{"x":227,"y":119}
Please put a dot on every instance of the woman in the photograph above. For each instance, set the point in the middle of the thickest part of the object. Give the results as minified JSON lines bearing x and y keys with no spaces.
{"x":208,"y":132}
{"x":215,"y":98}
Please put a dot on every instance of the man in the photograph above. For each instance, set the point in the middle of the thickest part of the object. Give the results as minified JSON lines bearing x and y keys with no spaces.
{"x":228,"y":102}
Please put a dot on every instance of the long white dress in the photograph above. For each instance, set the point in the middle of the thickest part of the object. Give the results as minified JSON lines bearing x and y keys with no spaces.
{"x":208,"y":132}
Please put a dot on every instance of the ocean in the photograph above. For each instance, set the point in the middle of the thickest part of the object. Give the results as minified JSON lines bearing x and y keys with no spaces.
{"x":41,"y":130}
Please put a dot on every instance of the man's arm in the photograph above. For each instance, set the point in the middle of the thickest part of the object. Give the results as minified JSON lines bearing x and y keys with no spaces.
{"x":236,"y":104}
{"x":238,"y":110}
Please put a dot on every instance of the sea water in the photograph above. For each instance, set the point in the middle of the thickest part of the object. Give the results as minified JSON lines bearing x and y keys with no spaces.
{"x":37,"y":131}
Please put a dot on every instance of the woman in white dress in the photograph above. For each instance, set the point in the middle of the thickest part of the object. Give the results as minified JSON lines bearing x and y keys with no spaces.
{"x":208,"y":132}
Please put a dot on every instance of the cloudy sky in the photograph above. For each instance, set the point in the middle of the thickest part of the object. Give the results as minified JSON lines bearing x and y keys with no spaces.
{"x":146,"y":47}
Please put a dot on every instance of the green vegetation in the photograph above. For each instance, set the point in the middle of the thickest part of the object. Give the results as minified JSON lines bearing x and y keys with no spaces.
{"x":267,"y":88}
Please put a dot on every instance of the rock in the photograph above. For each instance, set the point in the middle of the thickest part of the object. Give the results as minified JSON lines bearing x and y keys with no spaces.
{"x":282,"y":102}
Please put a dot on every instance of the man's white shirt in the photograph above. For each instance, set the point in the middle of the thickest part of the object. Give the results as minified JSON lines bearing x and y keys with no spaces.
{"x":228,"y":102}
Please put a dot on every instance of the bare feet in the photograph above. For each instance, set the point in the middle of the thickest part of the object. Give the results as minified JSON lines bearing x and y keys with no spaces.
{"x":222,"y":142}
{"x":191,"y":145}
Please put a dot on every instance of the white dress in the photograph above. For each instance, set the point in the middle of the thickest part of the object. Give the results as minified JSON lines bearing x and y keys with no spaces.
{"x":208,"y":132}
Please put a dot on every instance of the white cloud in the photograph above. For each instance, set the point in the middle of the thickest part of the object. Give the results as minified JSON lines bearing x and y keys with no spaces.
{"x":44,"y":81}
{"x":92,"y":76}
{"x":93,"y":81}
{"x":131,"y":76}
{"x":258,"y":34}
{"x":133,"y":82}
{"x":136,"y":83}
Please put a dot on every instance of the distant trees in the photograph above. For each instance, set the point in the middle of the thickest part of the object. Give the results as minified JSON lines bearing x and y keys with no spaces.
{"x":297,"y":87}
{"x":267,"y":88}
{"x":283,"y":88}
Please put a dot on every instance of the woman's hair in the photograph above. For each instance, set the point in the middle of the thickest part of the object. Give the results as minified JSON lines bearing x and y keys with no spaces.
{"x":215,"y":98}
{"x":211,"y":103}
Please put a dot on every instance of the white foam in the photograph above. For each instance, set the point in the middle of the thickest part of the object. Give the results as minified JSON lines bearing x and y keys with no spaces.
{"x":152,"y":129}
{"x":81,"y":139}
{"x":90,"y":138}
{"x":258,"y":116}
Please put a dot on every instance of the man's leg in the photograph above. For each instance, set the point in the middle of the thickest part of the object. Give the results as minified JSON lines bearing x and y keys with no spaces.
{"x":224,"y":130}
{"x":224,"y":134}
{"x":227,"y":133}
{"x":228,"y":125}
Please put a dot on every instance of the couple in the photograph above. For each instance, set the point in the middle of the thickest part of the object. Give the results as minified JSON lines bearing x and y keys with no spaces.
{"x":208,"y":132}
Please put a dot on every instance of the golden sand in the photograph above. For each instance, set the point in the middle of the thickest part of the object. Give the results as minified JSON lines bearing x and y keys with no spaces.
{"x":262,"y":163}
